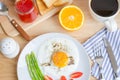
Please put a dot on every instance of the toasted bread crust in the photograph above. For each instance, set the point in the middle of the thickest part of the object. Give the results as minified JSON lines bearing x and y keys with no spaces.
{"x":49,"y":3}
{"x":60,"y":2}
{"x":42,"y":7}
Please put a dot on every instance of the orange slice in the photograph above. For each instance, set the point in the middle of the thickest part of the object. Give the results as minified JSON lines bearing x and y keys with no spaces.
{"x":71,"y":17}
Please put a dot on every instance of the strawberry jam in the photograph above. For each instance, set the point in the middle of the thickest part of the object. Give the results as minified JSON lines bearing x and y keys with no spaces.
{"x":26,"y":10}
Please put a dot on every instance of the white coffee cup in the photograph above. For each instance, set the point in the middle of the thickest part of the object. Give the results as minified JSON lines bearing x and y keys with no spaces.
{"x":109,"y":21}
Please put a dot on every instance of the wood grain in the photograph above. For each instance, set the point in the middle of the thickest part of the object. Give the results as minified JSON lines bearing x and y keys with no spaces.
{"x":8,"y":67}
{"x":1,"y":29}
{"x":10,"y":30}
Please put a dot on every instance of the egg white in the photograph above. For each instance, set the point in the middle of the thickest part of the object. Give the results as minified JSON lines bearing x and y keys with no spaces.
{"x":46,"y":50}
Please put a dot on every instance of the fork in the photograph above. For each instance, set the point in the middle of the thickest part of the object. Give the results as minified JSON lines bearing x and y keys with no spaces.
{"x":98,"y":57}
{"x":99,"y":60}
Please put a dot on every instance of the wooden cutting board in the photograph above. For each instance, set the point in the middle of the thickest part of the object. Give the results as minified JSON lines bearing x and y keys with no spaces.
{"x":10,"y":30}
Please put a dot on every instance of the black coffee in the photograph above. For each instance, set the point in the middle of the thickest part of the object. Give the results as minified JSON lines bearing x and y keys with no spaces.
{"x":104,"y":8}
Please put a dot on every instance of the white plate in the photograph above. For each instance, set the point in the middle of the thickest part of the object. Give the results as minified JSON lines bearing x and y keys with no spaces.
{"x":22,"y":71}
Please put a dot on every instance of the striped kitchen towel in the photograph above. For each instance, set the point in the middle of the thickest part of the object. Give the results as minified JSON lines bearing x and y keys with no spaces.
{"x":97,"y":39}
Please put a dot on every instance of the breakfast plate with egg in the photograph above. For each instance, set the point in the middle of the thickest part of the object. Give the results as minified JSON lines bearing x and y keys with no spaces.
{"x":57,"y":55}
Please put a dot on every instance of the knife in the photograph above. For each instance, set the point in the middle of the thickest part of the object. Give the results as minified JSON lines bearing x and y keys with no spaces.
{"x":111,"y":56}
{"x":20,"y":30}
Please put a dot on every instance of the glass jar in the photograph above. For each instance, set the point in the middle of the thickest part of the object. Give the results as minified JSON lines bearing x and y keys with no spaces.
{"x":26,"y":10}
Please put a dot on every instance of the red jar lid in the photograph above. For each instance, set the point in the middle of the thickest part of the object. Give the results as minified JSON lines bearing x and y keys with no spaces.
{"x":24,"y":6}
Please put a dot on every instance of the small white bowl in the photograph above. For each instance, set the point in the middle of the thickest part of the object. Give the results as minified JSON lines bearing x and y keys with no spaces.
{"x":9,"y":47}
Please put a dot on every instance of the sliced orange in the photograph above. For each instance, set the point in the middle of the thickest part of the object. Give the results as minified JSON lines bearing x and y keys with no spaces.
{"x":71,"y":17}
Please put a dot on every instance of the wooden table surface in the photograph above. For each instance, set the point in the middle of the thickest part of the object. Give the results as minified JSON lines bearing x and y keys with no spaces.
{"x":8,"y":67}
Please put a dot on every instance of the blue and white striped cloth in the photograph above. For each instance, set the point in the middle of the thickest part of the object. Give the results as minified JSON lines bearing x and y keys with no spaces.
{"x":114,"y":39}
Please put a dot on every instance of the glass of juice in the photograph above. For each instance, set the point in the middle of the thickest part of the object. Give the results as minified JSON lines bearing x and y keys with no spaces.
{"x":26,"y":10}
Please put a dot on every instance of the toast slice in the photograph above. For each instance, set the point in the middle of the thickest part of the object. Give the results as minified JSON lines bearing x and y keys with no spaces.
{"x":60,"y":2}
{"x":49,"y":3}
{"x":42,"y":7}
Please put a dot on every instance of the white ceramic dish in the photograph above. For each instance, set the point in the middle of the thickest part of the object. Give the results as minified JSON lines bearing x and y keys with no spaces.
{"x":22,"y":71}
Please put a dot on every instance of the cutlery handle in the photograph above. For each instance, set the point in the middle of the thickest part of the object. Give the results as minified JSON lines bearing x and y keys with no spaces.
{"x":20,"y":30}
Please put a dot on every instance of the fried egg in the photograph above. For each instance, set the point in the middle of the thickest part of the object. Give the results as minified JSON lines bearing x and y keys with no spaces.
{"x":58,"y":56}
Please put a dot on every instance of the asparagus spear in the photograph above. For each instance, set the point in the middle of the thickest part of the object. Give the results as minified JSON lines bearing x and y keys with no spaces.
{"x":30,"y":69}
{"x":37,"y":70}
{"x":33,"y":67}
{"x":37,"y":66}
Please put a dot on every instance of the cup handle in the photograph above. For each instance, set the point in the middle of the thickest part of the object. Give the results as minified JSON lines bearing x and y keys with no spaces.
{"x":111,"y":25}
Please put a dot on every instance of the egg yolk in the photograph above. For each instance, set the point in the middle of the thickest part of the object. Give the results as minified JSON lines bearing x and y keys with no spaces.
{"x":60,"y":59}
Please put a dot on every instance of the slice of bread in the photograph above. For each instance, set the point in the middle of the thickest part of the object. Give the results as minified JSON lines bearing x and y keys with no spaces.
{"x":49,"y":3}
{"x":60,"y":2}
{"x":42,"y":7}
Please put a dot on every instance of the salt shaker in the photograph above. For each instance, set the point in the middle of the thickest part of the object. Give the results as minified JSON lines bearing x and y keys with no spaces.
{"x":9,"y":47}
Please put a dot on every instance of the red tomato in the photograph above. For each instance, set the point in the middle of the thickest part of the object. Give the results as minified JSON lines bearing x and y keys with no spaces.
{"x":63,"y":78}
{"x":76,"y":75}
{"x":46,"y":77}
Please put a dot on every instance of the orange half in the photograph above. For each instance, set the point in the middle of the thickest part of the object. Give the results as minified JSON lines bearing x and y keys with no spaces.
{"x":71,"y":17}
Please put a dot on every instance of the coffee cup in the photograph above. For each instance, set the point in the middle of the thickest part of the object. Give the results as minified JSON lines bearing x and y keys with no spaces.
{"x":105,"y":12}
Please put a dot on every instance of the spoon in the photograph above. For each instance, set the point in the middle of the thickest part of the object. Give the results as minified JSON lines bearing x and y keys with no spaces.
{"x":4,"y":12}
